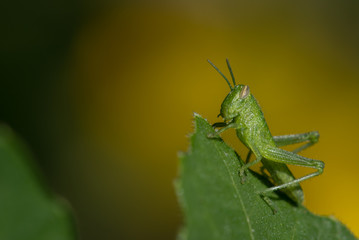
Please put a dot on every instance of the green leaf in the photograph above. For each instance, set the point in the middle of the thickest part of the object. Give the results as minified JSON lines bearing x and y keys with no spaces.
{"x":217,"y":206}
{"x":27,"y":211}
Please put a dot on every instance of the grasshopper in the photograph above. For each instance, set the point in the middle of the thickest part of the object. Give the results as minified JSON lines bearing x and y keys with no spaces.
{"x":241,"y":111}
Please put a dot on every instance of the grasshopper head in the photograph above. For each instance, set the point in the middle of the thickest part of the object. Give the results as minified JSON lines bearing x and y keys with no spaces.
{"x":234,"y":102}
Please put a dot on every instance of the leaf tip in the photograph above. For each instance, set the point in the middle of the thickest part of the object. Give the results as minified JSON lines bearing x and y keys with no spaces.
{"x":196,"y":115}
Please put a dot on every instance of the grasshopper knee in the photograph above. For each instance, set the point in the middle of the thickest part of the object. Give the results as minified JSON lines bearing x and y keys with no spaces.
{"x":320,"y":166}
{"x":314,"y":136}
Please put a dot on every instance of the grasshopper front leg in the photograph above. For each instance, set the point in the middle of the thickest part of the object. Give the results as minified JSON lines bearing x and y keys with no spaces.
{"x":225,"y":127}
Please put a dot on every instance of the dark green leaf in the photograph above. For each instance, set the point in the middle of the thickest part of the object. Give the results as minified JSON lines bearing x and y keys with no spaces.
{"x":27,"y":211}
{"x":217,"y":206}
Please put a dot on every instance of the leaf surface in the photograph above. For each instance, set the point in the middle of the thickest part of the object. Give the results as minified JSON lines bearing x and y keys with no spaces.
{"x":217,"y":206}
{"x":28,"y":210}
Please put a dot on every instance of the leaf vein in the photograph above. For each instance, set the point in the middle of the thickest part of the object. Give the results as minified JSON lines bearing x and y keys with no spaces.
{"x":237,"y":191}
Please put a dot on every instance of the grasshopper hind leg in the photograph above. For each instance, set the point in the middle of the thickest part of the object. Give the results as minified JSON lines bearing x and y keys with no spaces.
{"x":281,"y":156}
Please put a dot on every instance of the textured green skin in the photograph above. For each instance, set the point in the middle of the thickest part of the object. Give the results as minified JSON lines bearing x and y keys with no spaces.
{"x":253,"y":131}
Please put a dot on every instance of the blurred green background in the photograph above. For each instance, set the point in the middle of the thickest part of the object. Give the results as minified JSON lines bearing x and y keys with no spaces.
{"x":104,"y":93}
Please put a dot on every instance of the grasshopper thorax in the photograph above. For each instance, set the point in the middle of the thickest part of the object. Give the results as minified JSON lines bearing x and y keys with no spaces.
{"x":234,"y":102}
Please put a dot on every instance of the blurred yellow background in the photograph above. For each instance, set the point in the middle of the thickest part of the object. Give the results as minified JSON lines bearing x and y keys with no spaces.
{"x":115,"y":85}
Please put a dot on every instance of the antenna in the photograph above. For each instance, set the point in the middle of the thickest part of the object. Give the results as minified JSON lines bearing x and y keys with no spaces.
{"x":214,"y":66}
{"x":230,"y":70}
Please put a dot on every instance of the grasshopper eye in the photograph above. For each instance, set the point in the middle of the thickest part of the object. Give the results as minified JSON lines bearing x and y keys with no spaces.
{"x":244,"y":92}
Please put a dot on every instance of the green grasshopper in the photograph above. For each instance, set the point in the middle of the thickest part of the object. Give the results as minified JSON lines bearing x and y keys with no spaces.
{"x":241,"y":111}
